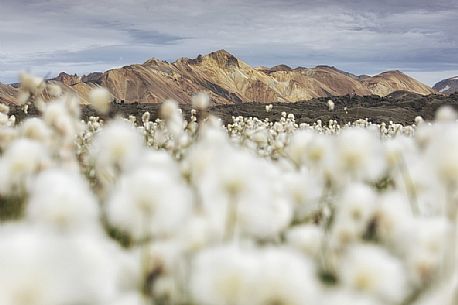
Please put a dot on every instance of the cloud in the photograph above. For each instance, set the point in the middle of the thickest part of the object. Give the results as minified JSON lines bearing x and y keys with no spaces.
{"x":360,"y":36}
{"x":152,"y":37}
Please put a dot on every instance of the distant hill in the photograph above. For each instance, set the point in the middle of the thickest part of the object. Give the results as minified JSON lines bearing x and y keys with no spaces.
{"x":447,"y":86}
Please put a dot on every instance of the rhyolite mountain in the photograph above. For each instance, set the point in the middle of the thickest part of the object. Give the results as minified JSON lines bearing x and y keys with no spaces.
{"x":229,"y":80}
{"x":447,"y":86}
{"x":7,"y":93}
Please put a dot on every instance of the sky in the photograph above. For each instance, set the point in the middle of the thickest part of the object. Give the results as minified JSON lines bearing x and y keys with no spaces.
{"x":419,"y":37}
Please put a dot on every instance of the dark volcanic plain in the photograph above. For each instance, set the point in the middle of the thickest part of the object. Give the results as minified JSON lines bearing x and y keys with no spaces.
{"x":399,"y":107}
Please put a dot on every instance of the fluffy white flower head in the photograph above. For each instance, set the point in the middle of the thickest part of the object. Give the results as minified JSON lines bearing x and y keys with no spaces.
{"x":31,"y":84}
{"x":331,"y":105}
{"x":200,"y":101}
{"x":285,"y":277}
{"x":63,"y":201}
{"x":20,"y":162}
{"x":148,"y":203}
{"x":371,"y":269}
{"x":100,"y":99}
{"x":223,"y":275}
{"x":54,"y":90}
{"x":446,"y":114}
{"x":116,"y":148}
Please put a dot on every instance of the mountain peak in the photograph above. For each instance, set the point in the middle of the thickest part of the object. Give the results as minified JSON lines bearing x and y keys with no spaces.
{"x":394,"y":80}
{"x":152,"y":61}
{"x":392,"y":72}
{"x":223,"y":58}
{"x":221,"y":52}
{"x":278,"y":68}
{"x":67,"y":79}
{"x":326,"y":67}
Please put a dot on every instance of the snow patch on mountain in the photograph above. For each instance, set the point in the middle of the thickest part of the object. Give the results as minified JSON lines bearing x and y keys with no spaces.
{"x":444,"y":89}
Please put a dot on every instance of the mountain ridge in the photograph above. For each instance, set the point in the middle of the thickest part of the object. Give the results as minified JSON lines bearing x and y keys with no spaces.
{"x":447,"y":86}
{"x":229,"y":80}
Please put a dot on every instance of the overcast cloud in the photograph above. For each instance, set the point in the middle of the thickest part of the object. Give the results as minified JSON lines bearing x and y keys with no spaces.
{"x":419,"y":37}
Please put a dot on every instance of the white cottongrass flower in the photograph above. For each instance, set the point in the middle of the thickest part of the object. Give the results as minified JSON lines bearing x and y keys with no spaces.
{"x":224,"y":275}
{"x":7,"y":136}
{"x":4,"y":108}
{"x":26,"y":259}
{"x":444,"y":294}
{"x":422,"y":187}
{"x":35,"y":129}
{"x":260,"y":136}
{"x":31,"y":84}
{"x":354,"y":211}
{"x":443,"y":154}
{"x":373,"y":270}
{"x":21,"y":161}
{"x":394,"y":217}
{"x":22,"y":97}
{"x":166,"y":260}
{"x":63,"y":201}
{"x":446,"y":114}
{"x":307,"y":239}
{"x":200,"y":101}
{"x":146,"y":117}
{"x":424,"y":134}
{"x":173,"y":117}
{"x":299,"y":143}
{"x":115,"y":149}
{"x":347,"y":297}
{"x":11,"y":121}
{"x":158,"y":160}
{"x":331,"y":105}
{"x":199,"y":232}
{"x":167,"y":289}
{"x":269,"y":107}
{"x":319,"y":151}
{"x":358,"y":154}
{"x":303,"y":191}
{"x":148,"y":203}
{"x":419,"y":120}
{"x":54,"y":90}
{"x":100,"y":99}
{"x":169,"y":109}
{"x":284,"y":277}
{"x":396,"y":150}
{"x":263,"y":216}
{"x":426,"y":244}
{"x":230,"y":275}
{"x":4,"y":119}
{"x":39,"y":268}
{"x":57,"y":115}
{"x":72,"y":103}
{"x":250,"y":203}
{"x":132,"y":298}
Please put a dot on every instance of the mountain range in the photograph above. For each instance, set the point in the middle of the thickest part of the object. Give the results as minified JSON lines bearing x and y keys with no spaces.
{"x":229,"y":80}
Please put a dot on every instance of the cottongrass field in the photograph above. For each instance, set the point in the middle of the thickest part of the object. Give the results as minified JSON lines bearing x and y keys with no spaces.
{"x":170,"y":211}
